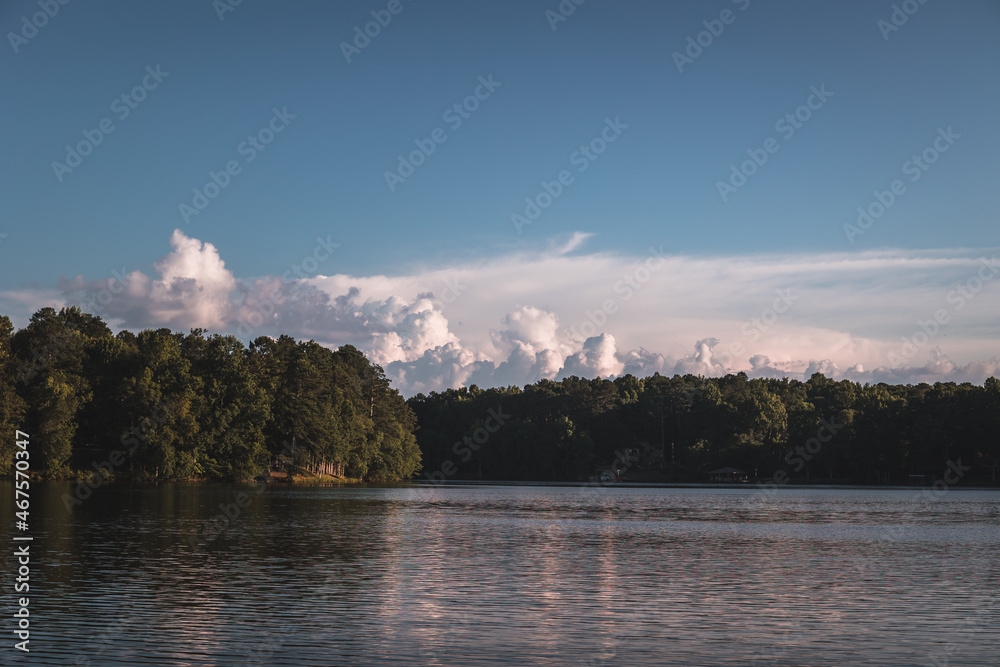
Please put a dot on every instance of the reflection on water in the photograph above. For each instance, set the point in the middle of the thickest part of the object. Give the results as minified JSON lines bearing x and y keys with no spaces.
{"x":510,"y":576}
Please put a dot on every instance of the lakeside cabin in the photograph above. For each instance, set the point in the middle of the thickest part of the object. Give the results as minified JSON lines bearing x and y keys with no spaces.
{"x":728,"y":475}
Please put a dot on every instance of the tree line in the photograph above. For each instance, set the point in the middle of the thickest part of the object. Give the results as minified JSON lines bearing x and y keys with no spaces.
{"x":679,"y":428}
{"x":167,"y":405}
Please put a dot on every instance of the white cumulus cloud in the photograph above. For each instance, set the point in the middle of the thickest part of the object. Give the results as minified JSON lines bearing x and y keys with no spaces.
{"x":522,"y":316}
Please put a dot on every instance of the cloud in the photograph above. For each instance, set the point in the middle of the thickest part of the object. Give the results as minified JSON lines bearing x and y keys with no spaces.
{"x":916,"y":316}
{"x":938,"y":368}
{"x":445,"y":366}
{"x":643,"y":363}
{"x":598,"y":358}
{"x":410,"y":330}
{"x":194,"y":289}
{"x":700,"y":363}
{"x":532,"y":329}
{"x":576,"y":240}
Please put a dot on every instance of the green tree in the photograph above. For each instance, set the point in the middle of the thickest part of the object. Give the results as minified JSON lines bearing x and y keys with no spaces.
{"x":51,"y":355}
{"x":58,"y":399}
{"x":159,"y":408}
{"x":12,"y":407}
{"x":233,"y":410}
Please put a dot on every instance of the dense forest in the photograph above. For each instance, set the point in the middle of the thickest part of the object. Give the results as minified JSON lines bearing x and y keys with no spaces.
{"x":681,"y":428}
{"x":165,"y":405}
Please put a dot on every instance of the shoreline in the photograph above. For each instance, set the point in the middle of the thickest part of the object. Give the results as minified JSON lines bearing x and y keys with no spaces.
{"x":692,"y":485}
{"x":455,"y":483}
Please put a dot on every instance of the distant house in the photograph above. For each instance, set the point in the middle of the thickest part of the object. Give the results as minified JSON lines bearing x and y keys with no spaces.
{"x":727,"y":475}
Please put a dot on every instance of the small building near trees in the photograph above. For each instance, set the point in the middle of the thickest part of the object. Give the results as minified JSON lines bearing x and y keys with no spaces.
{"x":728,"y":475}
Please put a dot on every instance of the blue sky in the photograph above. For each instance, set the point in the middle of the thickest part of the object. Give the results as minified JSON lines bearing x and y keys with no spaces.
{"x":655,"y":185}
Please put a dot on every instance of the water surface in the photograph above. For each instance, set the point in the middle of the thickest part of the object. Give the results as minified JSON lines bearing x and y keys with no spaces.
{"x":501,"y":575}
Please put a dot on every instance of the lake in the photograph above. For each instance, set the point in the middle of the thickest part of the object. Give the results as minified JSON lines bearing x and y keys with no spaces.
{"x":508,"y":575}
